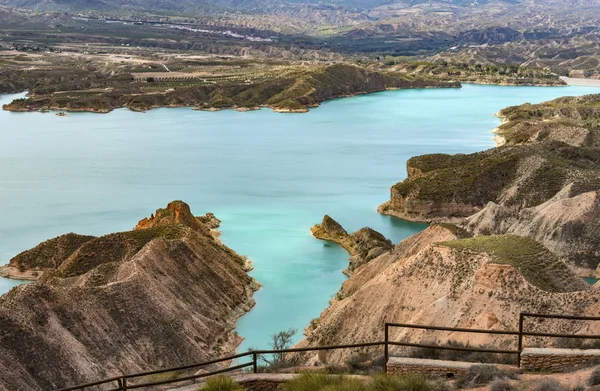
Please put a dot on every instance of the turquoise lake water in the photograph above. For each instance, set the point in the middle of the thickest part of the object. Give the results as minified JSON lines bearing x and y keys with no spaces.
{"x":269,"y":177}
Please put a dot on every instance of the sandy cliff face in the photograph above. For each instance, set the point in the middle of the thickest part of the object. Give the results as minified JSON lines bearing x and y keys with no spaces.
{"x":165,"y":294}
{"x":437,"y":277}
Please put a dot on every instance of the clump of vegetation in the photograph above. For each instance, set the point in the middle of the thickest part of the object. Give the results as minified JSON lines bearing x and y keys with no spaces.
{"x":548,"y":384}
{"x":220,"y":383}
{"x":534,"y":261}
{"x":501,"y":385}
{"x":456,"y":355}
{"x":404,"y":383}
{"x":479,"y":375}
{"x":594,"y":378}
{"x":576,"y":343}
{"x":357,"y":361}
{"x":281,"y":341}
{"x":311,"y":381}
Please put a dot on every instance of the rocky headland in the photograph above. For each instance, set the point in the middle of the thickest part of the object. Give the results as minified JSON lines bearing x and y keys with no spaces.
{"x":167,"y":293}
{"x":513,"y":228}
{"x":542,"y":182}
{"x":363,"y":245}
{"x":287,"y":91}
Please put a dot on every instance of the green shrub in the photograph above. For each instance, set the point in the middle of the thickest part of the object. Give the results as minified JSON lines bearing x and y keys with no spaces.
{"x":384,"y":383}
{"x":548,"y":384}
{"x":501,"y":385}
{"x":348,"y":384}
{"x":220,"y":383}
{"x":274,"y":362}
{"x":358,"y":361}
{"x":594,"y":379}
{"x":313,"y":381}
{"x":569,"y":343}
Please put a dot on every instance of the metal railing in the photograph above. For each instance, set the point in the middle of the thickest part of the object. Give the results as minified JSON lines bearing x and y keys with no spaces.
{"x":452,"y":329}
{"x":124,"y":382}
{"x":523,"y":333}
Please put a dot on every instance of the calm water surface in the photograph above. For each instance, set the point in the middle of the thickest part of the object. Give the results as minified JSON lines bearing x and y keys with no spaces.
{"x":269,"y":177}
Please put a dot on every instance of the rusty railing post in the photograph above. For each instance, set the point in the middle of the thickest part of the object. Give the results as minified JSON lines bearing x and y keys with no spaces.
{"x":520,"y":344}
{"x":124,"y":383}
{"x":254,"y":362}
{"x":120,"y":383}
{"x":386,"y":353}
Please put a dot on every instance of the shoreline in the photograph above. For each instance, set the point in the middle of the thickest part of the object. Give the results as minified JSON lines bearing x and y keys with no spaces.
{"x":572,"y":81}
{"x":450,"y":84}
{"x":498,"y":139}
{"x":284,"y":110}
{"x":12,"y":273}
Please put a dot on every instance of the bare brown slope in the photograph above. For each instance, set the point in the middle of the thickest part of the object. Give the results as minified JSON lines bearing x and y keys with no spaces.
{"x":423,"y":281}
{"x":174,"y":301}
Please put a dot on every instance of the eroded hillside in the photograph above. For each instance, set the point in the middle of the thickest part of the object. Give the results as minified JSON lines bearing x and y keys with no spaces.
{"x":438,"y":277}
{"x":165,"y":294}
{"x":542,"y":183}
{"x":513,"y":229}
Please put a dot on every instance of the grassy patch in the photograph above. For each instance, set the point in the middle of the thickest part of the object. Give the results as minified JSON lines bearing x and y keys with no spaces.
{"x":221,"y":383}
{"x":311,"y":381}
{"x":534,"y":261}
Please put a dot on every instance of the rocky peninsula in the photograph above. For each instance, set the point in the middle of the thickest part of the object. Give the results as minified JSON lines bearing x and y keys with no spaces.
{"x":167,"y":293}
{"x":363,"y":245}
{"x":293,"y":90}
{"x":513,"y":230}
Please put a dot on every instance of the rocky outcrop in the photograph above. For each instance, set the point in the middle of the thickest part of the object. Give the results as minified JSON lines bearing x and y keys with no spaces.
{"x":438,"y":277}
{"x":541,"y":183}
{"x":210,"y":221}
{"x":164,"y":294}
{"x":45,"y":256}
{"x":363,"y":245}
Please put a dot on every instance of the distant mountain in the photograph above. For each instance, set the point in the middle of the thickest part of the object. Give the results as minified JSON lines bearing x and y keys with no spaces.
{"x":238,"y":5}
{"x":463,"y":21}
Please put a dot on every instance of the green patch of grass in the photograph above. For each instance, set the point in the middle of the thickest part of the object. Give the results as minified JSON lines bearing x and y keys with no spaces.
{"x":479,"y":375}
{"x":534,"y":261}
{"x":456,"y":230}
{"x":220,"y":383}
{"x":311,"y":381}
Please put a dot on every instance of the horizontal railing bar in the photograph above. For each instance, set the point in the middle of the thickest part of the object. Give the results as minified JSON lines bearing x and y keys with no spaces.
{"x":572,"y":317}
{"x":574,"y":336}
{"x":465,"y":349}
{"x":96,"y":383}
{"x":158,"y":383}
{"x":333,"y":347}
{"x":441,"y":328}
{"x":218,"y":360}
